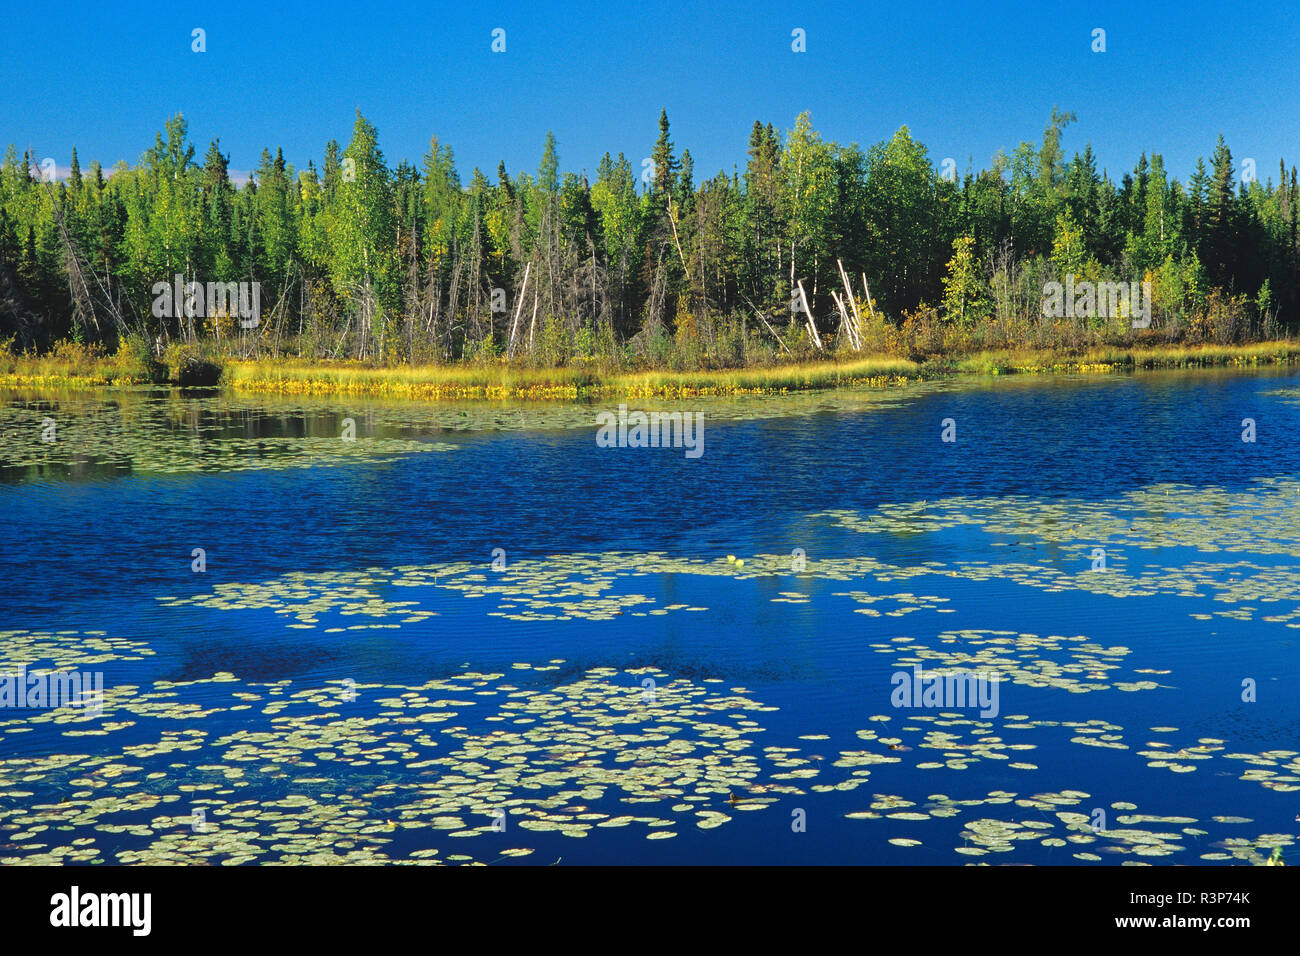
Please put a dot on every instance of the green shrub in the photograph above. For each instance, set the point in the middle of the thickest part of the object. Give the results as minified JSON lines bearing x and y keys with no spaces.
{"x":136,"y":360}
{"x":187,"y":365}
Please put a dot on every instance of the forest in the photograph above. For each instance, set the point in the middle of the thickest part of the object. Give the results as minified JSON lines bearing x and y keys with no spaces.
{"x":811,"y":249}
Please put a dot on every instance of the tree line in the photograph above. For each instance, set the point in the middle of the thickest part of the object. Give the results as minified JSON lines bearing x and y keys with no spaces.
{"x":812,"y":247}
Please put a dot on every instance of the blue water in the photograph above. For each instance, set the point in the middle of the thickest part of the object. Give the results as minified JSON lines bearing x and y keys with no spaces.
{"x":96,"y":547}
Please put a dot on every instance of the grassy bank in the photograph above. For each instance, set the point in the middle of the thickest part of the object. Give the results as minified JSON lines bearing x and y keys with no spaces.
{"x":77,"y":367}
{"x":1126,"y":359}
{"x":502,"y":381}
{"x":71,"y":366}
{"x":499,"y":381}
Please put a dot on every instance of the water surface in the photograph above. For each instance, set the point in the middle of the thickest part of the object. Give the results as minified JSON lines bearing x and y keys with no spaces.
{"x":359,"y":673}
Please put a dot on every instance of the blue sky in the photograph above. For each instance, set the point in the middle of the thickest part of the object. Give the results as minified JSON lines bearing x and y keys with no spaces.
{"x":968,"y":79}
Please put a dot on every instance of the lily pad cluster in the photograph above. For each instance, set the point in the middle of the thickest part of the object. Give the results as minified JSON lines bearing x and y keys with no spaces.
{"x":376,"y":773}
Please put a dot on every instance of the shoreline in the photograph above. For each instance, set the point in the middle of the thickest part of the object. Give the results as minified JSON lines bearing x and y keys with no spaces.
{"x":494,"y":383}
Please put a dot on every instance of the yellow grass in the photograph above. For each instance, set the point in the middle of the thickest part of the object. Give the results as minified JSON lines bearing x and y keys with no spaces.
{"x":75,"y":367}
{"x":1138,"y":357}
{"x":69,"y":366}
{"x":504,"y":381}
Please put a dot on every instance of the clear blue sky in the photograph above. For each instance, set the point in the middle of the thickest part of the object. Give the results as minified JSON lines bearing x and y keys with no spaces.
{"x":968,"y":79}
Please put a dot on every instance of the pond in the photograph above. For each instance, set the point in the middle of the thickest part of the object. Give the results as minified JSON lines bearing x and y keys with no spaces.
{"x":327,"y":630}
